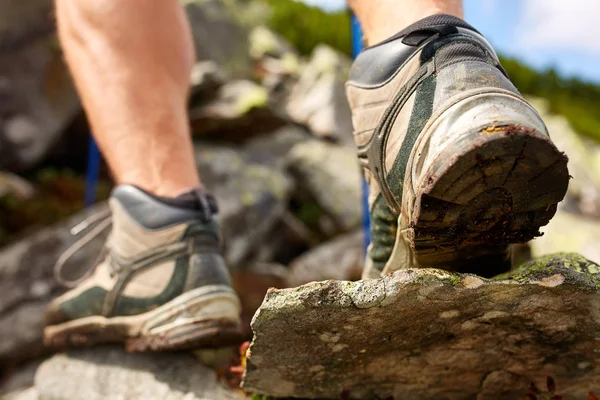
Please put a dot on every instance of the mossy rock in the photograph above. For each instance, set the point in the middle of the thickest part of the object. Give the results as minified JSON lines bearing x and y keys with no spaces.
{"x":432,"y":334}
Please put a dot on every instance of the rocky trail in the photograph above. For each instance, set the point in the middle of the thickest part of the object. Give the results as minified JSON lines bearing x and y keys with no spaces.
{"x":272,"y":133}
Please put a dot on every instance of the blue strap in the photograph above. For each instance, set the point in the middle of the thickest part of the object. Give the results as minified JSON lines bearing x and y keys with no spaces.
{"x":357,"y":46}
{"x":93,"y":172}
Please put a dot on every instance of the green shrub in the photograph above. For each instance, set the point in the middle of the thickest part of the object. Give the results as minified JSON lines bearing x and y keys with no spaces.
{"x":306,"y":26}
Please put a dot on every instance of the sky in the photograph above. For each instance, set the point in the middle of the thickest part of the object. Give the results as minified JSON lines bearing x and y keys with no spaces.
{"x":542,"y":33}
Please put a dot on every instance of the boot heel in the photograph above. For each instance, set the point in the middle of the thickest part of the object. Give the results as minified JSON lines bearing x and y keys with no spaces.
{"x":482,"y":188}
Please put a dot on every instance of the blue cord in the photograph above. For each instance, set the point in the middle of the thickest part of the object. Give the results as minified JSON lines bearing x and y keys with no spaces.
{"x":357,"y":46}
{"x":357,"y":37}
{"x":93,"y":172}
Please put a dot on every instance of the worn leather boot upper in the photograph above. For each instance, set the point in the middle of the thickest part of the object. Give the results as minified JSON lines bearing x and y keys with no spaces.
{"x":398,"y":90}
{"x":157,"y":254}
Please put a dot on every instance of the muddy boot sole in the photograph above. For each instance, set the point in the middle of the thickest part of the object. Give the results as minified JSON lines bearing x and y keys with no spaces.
{"x":494,"y":186}
{"x":191,"y":321}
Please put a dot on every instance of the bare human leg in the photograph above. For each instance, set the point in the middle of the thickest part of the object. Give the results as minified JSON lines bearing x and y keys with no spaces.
{"x":163,"y":283}
{"x":380,"y":19}
{"x":131,"y":65}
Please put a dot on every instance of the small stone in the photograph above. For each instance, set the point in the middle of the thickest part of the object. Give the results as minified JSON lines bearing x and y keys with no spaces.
{"x":205,"y":79}
{"x":339,"y":347}
{"x":329,"y":337}
{"x":552,"y":281}
{"x":12,"y":184}
{"x":584,"y":365}
{"x":469,"y":325}
{"x":450,"y":314}
{"x":264,"y":42}
{"x":494,"y":314}
{"x":472,"y":282}
{"x":239,"y":109}
{"x":316,"y":368}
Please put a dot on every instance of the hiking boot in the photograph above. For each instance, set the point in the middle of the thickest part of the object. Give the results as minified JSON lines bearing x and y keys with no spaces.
{"x":161,"y":284}
{"x":459,"y":164}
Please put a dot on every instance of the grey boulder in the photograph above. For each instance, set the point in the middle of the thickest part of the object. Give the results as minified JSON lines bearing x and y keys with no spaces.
{"x":108,"y":373}
{"x":331,"y":176}
{"x":252,"y":198}
{"x":341,"y":258}
{"x":27,"y":284}
{"x":222,"y":23}
{"x":37,"y":97}
{"x":238,"y":110}
{"x":318,"y":100}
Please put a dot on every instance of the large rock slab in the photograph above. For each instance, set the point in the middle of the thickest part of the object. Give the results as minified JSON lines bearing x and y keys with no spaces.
{"x":432,"y":334}
{"x":110,"y":373}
